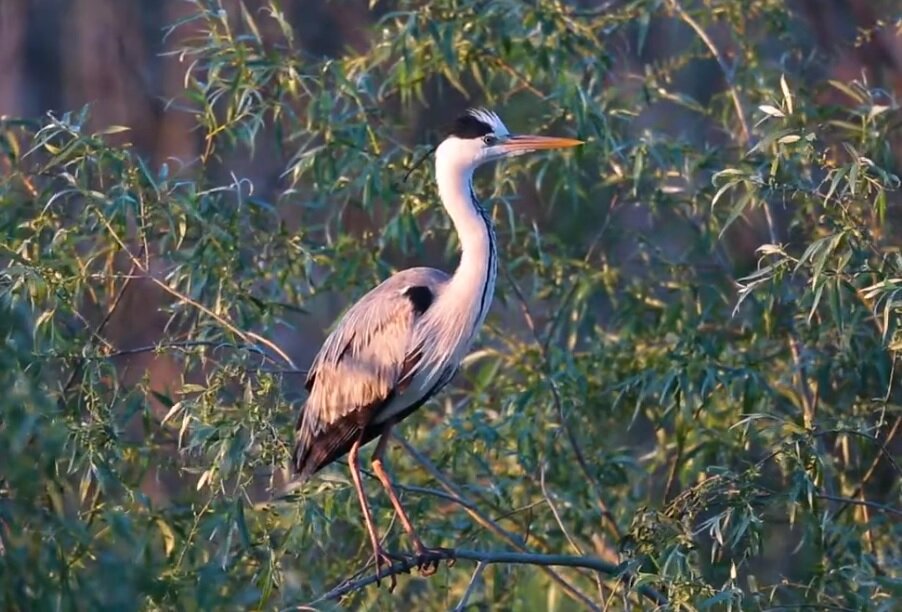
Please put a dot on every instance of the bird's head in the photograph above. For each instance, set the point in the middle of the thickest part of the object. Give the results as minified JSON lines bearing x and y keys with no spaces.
{"x":479,"y":136}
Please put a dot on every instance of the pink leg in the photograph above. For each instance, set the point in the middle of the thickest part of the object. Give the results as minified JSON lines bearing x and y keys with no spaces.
{"x":379,"y":554}
{"x":427,"y":558}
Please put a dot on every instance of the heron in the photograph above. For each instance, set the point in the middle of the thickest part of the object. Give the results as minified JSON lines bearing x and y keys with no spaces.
{"x":403,"y":342}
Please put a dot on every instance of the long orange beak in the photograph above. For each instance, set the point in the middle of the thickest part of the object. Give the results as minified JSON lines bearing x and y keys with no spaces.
{"x":523,"y":144}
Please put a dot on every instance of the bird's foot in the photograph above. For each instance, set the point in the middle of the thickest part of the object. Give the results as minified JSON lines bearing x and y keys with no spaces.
{"x":383,"y":558}
{"x":426,"y":560}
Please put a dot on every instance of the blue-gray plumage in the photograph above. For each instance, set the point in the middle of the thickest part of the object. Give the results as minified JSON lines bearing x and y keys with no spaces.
{"x":403,"y":341}
{"x":373,"y":346}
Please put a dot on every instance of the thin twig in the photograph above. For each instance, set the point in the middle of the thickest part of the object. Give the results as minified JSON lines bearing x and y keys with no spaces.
{"x":559,"y":407}
{"x":860,"y":502}
{"x":471,"y":586}
{"x":721,"y":61}
{"x":808,"y":399}
{"x":471,"y":508}
{"x":512,"y":539}
{"x":808,"y":405}
{"x":564,"y":303}
{"x":26,"y":181}
{"x":524,"y":81}
{"x":674,"y":467}
{"x":881,"y":446}
{"x":486,"y":522}
{"x":96,"y":333}
{"x":557,"y":517}
{"x":560,"y":523}
{"x":185,"y":344}
{"x":884,"y":452}
{"x":248,"y":337}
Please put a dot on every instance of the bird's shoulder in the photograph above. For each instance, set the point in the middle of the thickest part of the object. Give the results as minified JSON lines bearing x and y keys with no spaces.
{"x":402,"y":295}
{"x":429,"y":278}
{"x":371,"y":338}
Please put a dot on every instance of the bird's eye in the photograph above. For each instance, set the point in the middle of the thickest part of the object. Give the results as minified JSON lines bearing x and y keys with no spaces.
{"x":490,"y":139}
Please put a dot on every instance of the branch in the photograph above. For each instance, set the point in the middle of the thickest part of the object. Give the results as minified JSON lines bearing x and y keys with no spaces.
{"x":248,"y":337}
{"x":487,"y":558}
{"x":881,"y":446}
{"x":514,"y":540}
{"x":860,"y":502}
{"x":96,"y":333}
{"x":251,"y":348}
{"x":186,"y":344}
{"x":457,"y":496}
{"x":474,"y":580}
{"x":558,"y":401}
{"x":721,"y":61}
{"x":486,"y":522}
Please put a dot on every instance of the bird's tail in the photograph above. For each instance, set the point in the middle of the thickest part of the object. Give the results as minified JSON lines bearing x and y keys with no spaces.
{"x":316,"y":446}
{"x":300,"y":460}
{"x":301,"y":465}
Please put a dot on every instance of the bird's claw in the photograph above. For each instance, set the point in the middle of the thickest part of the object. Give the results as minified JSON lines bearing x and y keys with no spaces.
{"x":427,"y":560}
{"x":384,"y":558}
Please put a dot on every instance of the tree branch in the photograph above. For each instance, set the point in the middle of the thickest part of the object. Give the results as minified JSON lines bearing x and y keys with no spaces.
{"x":96,"y":333}
{"x":474,"y":580}
{"x":248,"y":337}
{"x":188,"y":344}
{"x":514,"y":540}
{"x":486,"y":522}
{"x":487,"y":558}
{"x":558,"y":401}
{"x":721,"y":61}
{"x":881,"y":446}
{"x":860,"y":502}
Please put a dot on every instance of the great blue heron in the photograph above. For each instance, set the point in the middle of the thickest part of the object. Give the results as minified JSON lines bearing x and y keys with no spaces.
{"x":404,"y":340}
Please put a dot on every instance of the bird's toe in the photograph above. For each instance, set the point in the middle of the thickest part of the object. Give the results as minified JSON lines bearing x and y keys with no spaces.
{"x":385,"y":559}
{"x":428,"y":559}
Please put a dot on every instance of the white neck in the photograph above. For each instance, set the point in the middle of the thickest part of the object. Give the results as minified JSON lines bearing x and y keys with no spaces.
{"x":473,"y":283}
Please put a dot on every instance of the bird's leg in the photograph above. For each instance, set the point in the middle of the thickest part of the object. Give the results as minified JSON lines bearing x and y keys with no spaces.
{"x":379,"y":554}
{"x":427,"y":559}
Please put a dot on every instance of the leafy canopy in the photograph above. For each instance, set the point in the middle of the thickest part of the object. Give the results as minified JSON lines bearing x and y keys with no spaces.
{"x":715,"y":422}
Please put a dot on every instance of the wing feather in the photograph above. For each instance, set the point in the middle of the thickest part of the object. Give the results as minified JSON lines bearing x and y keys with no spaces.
{"x":358,"y":369}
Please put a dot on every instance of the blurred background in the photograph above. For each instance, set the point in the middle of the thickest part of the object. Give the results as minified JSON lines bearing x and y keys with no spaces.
{"x":61,"y":54}
{"x":119,"y":57}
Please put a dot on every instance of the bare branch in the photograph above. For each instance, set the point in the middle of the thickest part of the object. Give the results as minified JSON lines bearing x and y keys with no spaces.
{"x":554,"y":512}
{"x":460,"y":498}
{"x":515,"y":541}
{"x":474,"y":580}
{"x":881,"y":446}
{"x":96,"y":333}
{"x":572,"y":440}
{"x":721,"y":61}
{"x":860,"y":502}
{"x":486,"y":522}
{"x":248,"y":337}
{"x":187,"y":344}
{"x":487,"y":558}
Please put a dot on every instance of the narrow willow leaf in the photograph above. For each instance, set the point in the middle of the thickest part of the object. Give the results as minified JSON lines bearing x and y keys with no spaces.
{"x":787,"y":95}
{"x":773,"y":111}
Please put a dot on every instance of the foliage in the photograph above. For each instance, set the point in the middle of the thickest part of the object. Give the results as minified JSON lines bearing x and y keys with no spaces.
{"x":644,"y":391}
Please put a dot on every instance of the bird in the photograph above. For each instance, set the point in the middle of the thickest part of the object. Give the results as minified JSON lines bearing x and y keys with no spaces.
{"x":403,"y":342}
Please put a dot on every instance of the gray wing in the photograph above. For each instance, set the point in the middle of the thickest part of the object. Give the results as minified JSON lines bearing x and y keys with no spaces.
{"x":358,"y":368}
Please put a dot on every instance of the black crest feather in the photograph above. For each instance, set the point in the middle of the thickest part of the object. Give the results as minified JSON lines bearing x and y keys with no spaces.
{"x":468,"y":126}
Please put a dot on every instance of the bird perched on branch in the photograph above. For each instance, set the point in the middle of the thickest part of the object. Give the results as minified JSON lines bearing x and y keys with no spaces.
{"x":403,"y":341}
